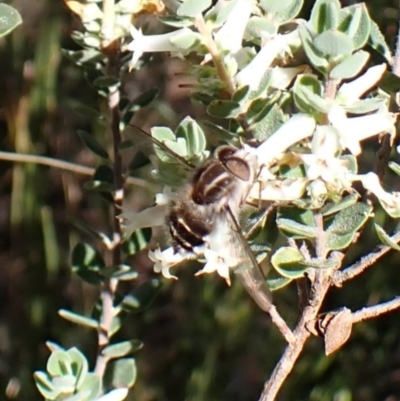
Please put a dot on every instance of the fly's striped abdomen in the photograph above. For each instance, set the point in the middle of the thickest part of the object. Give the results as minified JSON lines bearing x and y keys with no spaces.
{"x":186,"y":229}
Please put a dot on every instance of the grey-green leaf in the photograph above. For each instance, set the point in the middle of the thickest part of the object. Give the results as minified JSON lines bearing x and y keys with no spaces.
{"x":385,"y":238}
{"x":121,"y":373}
{"x":79,"y":319}
{"x":9,"y":19}
{"x":333,"y":44}
{"x":224,"y":109}
{"x":331,"y":208}
{"x":325,"y":15}
{"x":296,"y":229}
{"x":122,"y":349}
{"x":87,"y":262}
{"x":356,"y":23}
{"x":350,"y":66}
{"x":192,"y":8}
{"x":287,"y":262}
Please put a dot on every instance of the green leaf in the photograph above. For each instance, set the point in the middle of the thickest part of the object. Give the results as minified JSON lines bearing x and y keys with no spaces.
{"x":44,"y":385}
{"x":395,"y":167}
{"x":287,"y":262}
{"x":177,"y":22}
{"x":316,"y":58}
{"x":79,"y":365}
{"x":266,"y":124}
{"x":308,"y":95}
{"x":136,"y":104}
{"x":385,"y":238}
{"x":332,"y":208}
{"x":9,"y":19}
{"x":87,"y":262}
{"x":356,"y":23}
{"x":91,"y":143}
{"x":142,"y":296}
{"x":289,"y":13}
{"x":377,"y":41}
{"x":192,"y":8}
{"x":242,"y":94}
{"x":333,"y":44}
{"x":120,"y":373}
{"x":325,"y":15}
{"x":295,"y":229}
{"x":350,"y":219}
{"x":137,"y":241}
{"x":275,"y":284}
{"x":59,"y":364}
{"x":91,"y":385}
{"x":193,"y":135}
{"x":103,"y":181}
{"x":165,"y":135}
{"x":224,"y":109}
{"x":365,"y":106}
{"x":122,"y":349}
{"x":186,"y":39}
{"x":79,"y":319}
{"x":64,"y":384}
{"x":350,"y":66}
{"x":343,"y":227}
{"x":258,"y":26}
{"x":390,"y":82}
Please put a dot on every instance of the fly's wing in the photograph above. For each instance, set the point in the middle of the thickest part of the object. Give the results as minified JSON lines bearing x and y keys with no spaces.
{"x":248,"y":271}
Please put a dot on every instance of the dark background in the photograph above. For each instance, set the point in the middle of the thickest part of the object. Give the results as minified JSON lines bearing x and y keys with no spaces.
{"x":202,"y":340}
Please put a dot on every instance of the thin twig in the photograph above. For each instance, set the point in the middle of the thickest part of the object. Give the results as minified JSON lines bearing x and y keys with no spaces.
{"x":376,"y":310}
{"x":364,"y":263}
{"x":60,"y":164}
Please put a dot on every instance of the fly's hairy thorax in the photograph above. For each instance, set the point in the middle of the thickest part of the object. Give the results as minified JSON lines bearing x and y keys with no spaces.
{"x":201,"y":205}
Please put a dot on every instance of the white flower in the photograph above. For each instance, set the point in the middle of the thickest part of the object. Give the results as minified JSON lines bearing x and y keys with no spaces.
{"x":285,"y":190}
{"x":297,"y":128}
{"x":215,"y":263}
{"x":164,"y":260}
{"x":352,"y":91}
{"x":152,"y":43}
{"x":323,"y":163}
{"x":230,"y":36}
{"x":252,"y":74}
{"x":389,"y":201}
{"x":355,"y":129}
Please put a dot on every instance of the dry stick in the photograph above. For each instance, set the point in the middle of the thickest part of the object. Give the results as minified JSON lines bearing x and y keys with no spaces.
{"x":317,"y":294}
{"x":376,"y":310}
{"x":60,"y":164}
{"x":359,"y":267}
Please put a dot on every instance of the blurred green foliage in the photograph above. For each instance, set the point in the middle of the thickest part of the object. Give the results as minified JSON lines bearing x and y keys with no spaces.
{"x":202,"y":341}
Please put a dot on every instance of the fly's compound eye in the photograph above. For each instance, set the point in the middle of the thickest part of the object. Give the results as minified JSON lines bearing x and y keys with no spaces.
{"x":238,"y":167}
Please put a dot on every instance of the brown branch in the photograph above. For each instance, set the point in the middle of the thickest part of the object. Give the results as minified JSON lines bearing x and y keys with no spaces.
{"x":376,"y":310}
{"x":60,"y":164}
{"x":318,"y":291}
{"x":364,"y":263}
